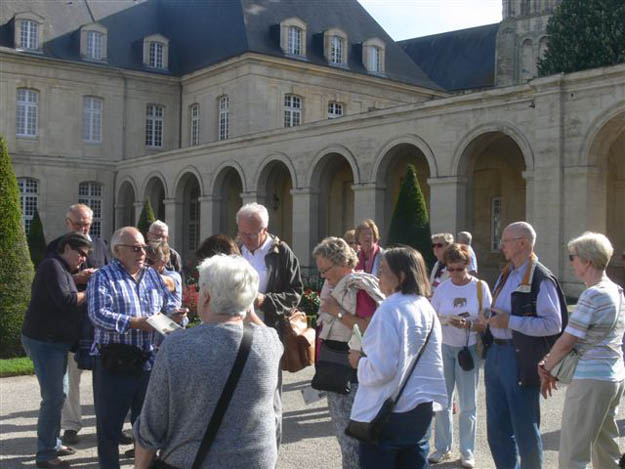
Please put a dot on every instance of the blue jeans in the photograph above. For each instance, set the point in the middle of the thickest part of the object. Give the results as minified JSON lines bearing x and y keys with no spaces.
{"x":50,"y":362}
{"x":404,"y":442}
{"x":512,"y":413}
{"x":114,"y":394}
{"x":466,"y":382}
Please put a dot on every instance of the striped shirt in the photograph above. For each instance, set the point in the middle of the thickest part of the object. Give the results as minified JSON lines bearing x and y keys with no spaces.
{"x":115,"y":297}
{"x":599,"y":341}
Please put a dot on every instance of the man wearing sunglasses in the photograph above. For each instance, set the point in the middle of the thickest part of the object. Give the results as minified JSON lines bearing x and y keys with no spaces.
{"x":122,"y":296}
{"x":79,"y":218}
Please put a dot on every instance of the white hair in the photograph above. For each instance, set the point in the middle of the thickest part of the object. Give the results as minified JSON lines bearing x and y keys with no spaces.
{"x":118,"y":236}
{"x":158,"y":224}
{"x":230,"y":281}
{"x":79,"y":208}
{"x":446,"y":238}
{"x":464,"y":237}
{"x":524,"y":230}
{"x":254,"y":210}
{"x":595,"y":248}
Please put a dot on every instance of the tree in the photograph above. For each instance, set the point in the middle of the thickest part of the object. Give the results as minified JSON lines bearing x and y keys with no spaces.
{"x":584,"y":34}
{"x":146,"y":219}
{"x":36,"y":240}
{"x":411,"y":223}
{"x":16,"y":268}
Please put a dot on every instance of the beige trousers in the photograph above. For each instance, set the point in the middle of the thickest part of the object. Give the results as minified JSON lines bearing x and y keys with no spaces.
{"x":589,"y":428}
{"x":71,"y":414}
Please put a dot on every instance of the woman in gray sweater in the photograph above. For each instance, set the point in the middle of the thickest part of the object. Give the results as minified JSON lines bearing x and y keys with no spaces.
{"x":191,"y":370}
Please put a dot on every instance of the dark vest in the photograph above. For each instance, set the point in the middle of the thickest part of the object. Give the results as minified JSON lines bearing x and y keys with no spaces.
{"x":530,"y":350}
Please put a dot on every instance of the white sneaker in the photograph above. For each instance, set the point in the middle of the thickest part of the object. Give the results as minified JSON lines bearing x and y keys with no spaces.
{"x":439,"y":456}
{"x":467,"y":461}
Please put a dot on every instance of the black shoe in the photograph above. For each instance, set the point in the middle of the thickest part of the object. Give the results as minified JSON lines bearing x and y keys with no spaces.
{"x":65,"y":451}
{"x":130,"y":453}
{"x":53,"y":463}
{"x":70,"y":437}
{"x":126,"y":438}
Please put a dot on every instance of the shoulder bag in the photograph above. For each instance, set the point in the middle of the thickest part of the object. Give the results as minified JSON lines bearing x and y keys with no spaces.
{"x":298,"y":340}
{"x":222,"y":404}
{"x":565,"y":368}
{"x":369,"y":432}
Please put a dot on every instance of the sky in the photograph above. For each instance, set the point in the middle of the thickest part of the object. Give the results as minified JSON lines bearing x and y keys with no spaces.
{"x":404,"y":19}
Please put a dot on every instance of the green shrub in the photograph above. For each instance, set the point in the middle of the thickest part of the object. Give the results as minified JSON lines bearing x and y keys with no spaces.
{"x":146,"y":219}
{"x":16,"y":268}
{"x":36,"y":240}
{"x":410,"y":224}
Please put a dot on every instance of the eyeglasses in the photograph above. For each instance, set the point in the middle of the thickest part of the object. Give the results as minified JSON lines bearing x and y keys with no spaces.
{"x":326,"y":270}
{"x":437,"y":245}
{"x":250,"y":235}
{"x":82,"y":253}
{"x":456,"y":269}
{"x":135,"y":248}
{"x":571,"y":257}
{"x":79,"y":225}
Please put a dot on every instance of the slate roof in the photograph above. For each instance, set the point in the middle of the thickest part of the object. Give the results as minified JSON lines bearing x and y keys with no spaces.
{"x":206,"y":32}
{"x":457,"y":60}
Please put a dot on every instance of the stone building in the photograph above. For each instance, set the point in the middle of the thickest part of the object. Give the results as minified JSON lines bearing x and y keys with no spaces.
{"x":312,"y":110}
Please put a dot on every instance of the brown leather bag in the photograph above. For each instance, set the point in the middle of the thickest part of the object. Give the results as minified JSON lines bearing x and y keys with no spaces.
{"x":299,"y":342}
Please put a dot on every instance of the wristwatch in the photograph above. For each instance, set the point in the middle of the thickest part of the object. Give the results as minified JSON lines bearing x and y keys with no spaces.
{"x":340,"y":315}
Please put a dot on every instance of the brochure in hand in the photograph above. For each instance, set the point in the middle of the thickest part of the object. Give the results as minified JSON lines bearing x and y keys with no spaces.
{"x":163,"y":324}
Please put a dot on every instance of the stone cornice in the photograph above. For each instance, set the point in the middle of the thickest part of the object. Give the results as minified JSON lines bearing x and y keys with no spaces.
{"x":62,"y":161}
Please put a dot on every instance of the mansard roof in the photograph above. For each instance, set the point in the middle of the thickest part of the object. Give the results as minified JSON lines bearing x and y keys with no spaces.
{"x":457,"y":60}
{"x":206,"y":32}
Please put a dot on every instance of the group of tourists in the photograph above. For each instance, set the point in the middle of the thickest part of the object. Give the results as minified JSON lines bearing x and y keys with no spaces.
{"x":396,"y":342}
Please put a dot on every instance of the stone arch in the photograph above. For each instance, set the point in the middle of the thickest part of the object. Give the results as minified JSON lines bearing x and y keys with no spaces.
{"x":125,"y":200}
{"x":312,"y":178}
{"x":155,"y":190}
{"x":606,"y":124}
{"x":273,"y":189}
{"x":182,"y":173}
{"x":272,"y":158}
{"x":390,"y":167}
{"x":227,"y":188}
{"x":188,"y":190}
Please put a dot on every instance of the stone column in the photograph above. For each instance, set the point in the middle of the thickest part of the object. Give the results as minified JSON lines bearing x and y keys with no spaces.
{"x":249,"y":197}
{"x":207,"y":220}
{"x":447,"y":204}
{"x":305,"y":209}
{"x":174,"y":217}
{"x":529,"y":194}
{"x":369,"y":203}
{"x":138,"y":208}
{"x":119,"y":215}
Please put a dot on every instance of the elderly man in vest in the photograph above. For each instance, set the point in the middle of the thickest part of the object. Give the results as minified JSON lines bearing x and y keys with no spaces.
{"x":528,"y":313}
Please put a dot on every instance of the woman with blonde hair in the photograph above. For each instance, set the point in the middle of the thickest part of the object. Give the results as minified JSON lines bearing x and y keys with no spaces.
{"x":368,"y":237}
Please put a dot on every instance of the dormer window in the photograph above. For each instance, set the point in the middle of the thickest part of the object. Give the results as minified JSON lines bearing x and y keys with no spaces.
{"x":373,"y":53}
{"x":335,"y":46}
{"x":93,"y":38}
{"x":293,"y":37}
{"x":156,"y":52}
{"x":28,"y":31}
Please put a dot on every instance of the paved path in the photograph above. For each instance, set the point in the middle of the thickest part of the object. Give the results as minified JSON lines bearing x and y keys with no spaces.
{"x":308,"y":440}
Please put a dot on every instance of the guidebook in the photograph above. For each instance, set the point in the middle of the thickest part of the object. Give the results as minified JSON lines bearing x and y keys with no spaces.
{"x":163,"y":324}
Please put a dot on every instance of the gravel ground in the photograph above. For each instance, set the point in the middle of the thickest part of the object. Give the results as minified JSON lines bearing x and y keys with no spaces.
{"x":308,"y":440}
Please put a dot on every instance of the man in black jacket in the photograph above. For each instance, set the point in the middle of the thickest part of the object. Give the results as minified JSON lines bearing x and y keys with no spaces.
{"x":79,"y":218}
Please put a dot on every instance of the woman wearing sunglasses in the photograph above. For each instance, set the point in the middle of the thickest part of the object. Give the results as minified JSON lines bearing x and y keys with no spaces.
{"x":439,"y":273}
{"x":51,"y":328}
{"x":458,"y":302}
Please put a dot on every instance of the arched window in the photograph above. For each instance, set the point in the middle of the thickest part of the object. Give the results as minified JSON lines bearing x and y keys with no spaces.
{"x":29,"y":200}
{"x":90,"y":194}
{"x":26,"y":112}
{"x":528,"y":63}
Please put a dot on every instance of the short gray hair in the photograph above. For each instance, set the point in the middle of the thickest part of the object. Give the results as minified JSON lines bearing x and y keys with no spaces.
{"x":337,"y":251}
{"x":523,"y":230}
{"x":77,"y":207}
{"x":254,"y":210}
{"x":592,"y":247}
{"x":447,"y":238}
{"x":159,"y":224}
{"x":464,"y":237}
{"x":116,"y":239}
{"x":230,"y":281}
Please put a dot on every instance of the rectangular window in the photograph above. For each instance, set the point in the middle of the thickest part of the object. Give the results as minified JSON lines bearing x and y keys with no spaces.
{"x":94,"y":45}
{"x":195,"y":124}
{"x":92,"y":119}
{"x":495,"y":223}
{"x":224,"y":117}
{"x":26,"y":113}
{"x":335,"y":110}
{"x":374,"y":59}
{"x":90,"y":194}
{"x":336,"y":50}
{"x":29,"y":35}
{"x":29,"y":195}
{"x":154,"y":126}
{"x":156,"y":55}
{"x":295,"y":40}
{"x":292,"y":110}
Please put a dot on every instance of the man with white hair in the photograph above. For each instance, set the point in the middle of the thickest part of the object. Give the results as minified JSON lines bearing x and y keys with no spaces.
{"x":79,"y":217}
{"x":280,"y":287}
{"x":159,"y":231}
{"x":122,"y":295}
{"x":464,"y":237}
{"x":528,"y":313}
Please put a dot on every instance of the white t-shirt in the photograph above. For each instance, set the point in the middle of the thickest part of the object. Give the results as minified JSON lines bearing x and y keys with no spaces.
{"x":257,"y":260}
{"x":450,"y":299}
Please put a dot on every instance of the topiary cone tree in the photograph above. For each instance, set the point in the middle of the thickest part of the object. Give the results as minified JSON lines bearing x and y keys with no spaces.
{"x":16,"y":268}
{"x":410,"y":224}
{"x":146,"y":219}
{"x":36,"y":240}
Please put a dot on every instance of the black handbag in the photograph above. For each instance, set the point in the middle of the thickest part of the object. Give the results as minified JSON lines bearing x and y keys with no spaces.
{"x":123,"y":358}
{"x":369,"y":432}
{"x":465,"y":360}
{"x":332,"y":371}
{"x":222,"y":404}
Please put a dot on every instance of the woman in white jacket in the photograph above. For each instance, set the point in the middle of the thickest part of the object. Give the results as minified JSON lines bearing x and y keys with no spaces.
{"x":393,"y":339}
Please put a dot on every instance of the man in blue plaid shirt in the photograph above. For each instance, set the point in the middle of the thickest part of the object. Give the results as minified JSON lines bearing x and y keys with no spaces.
{"x":121,"y":296}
